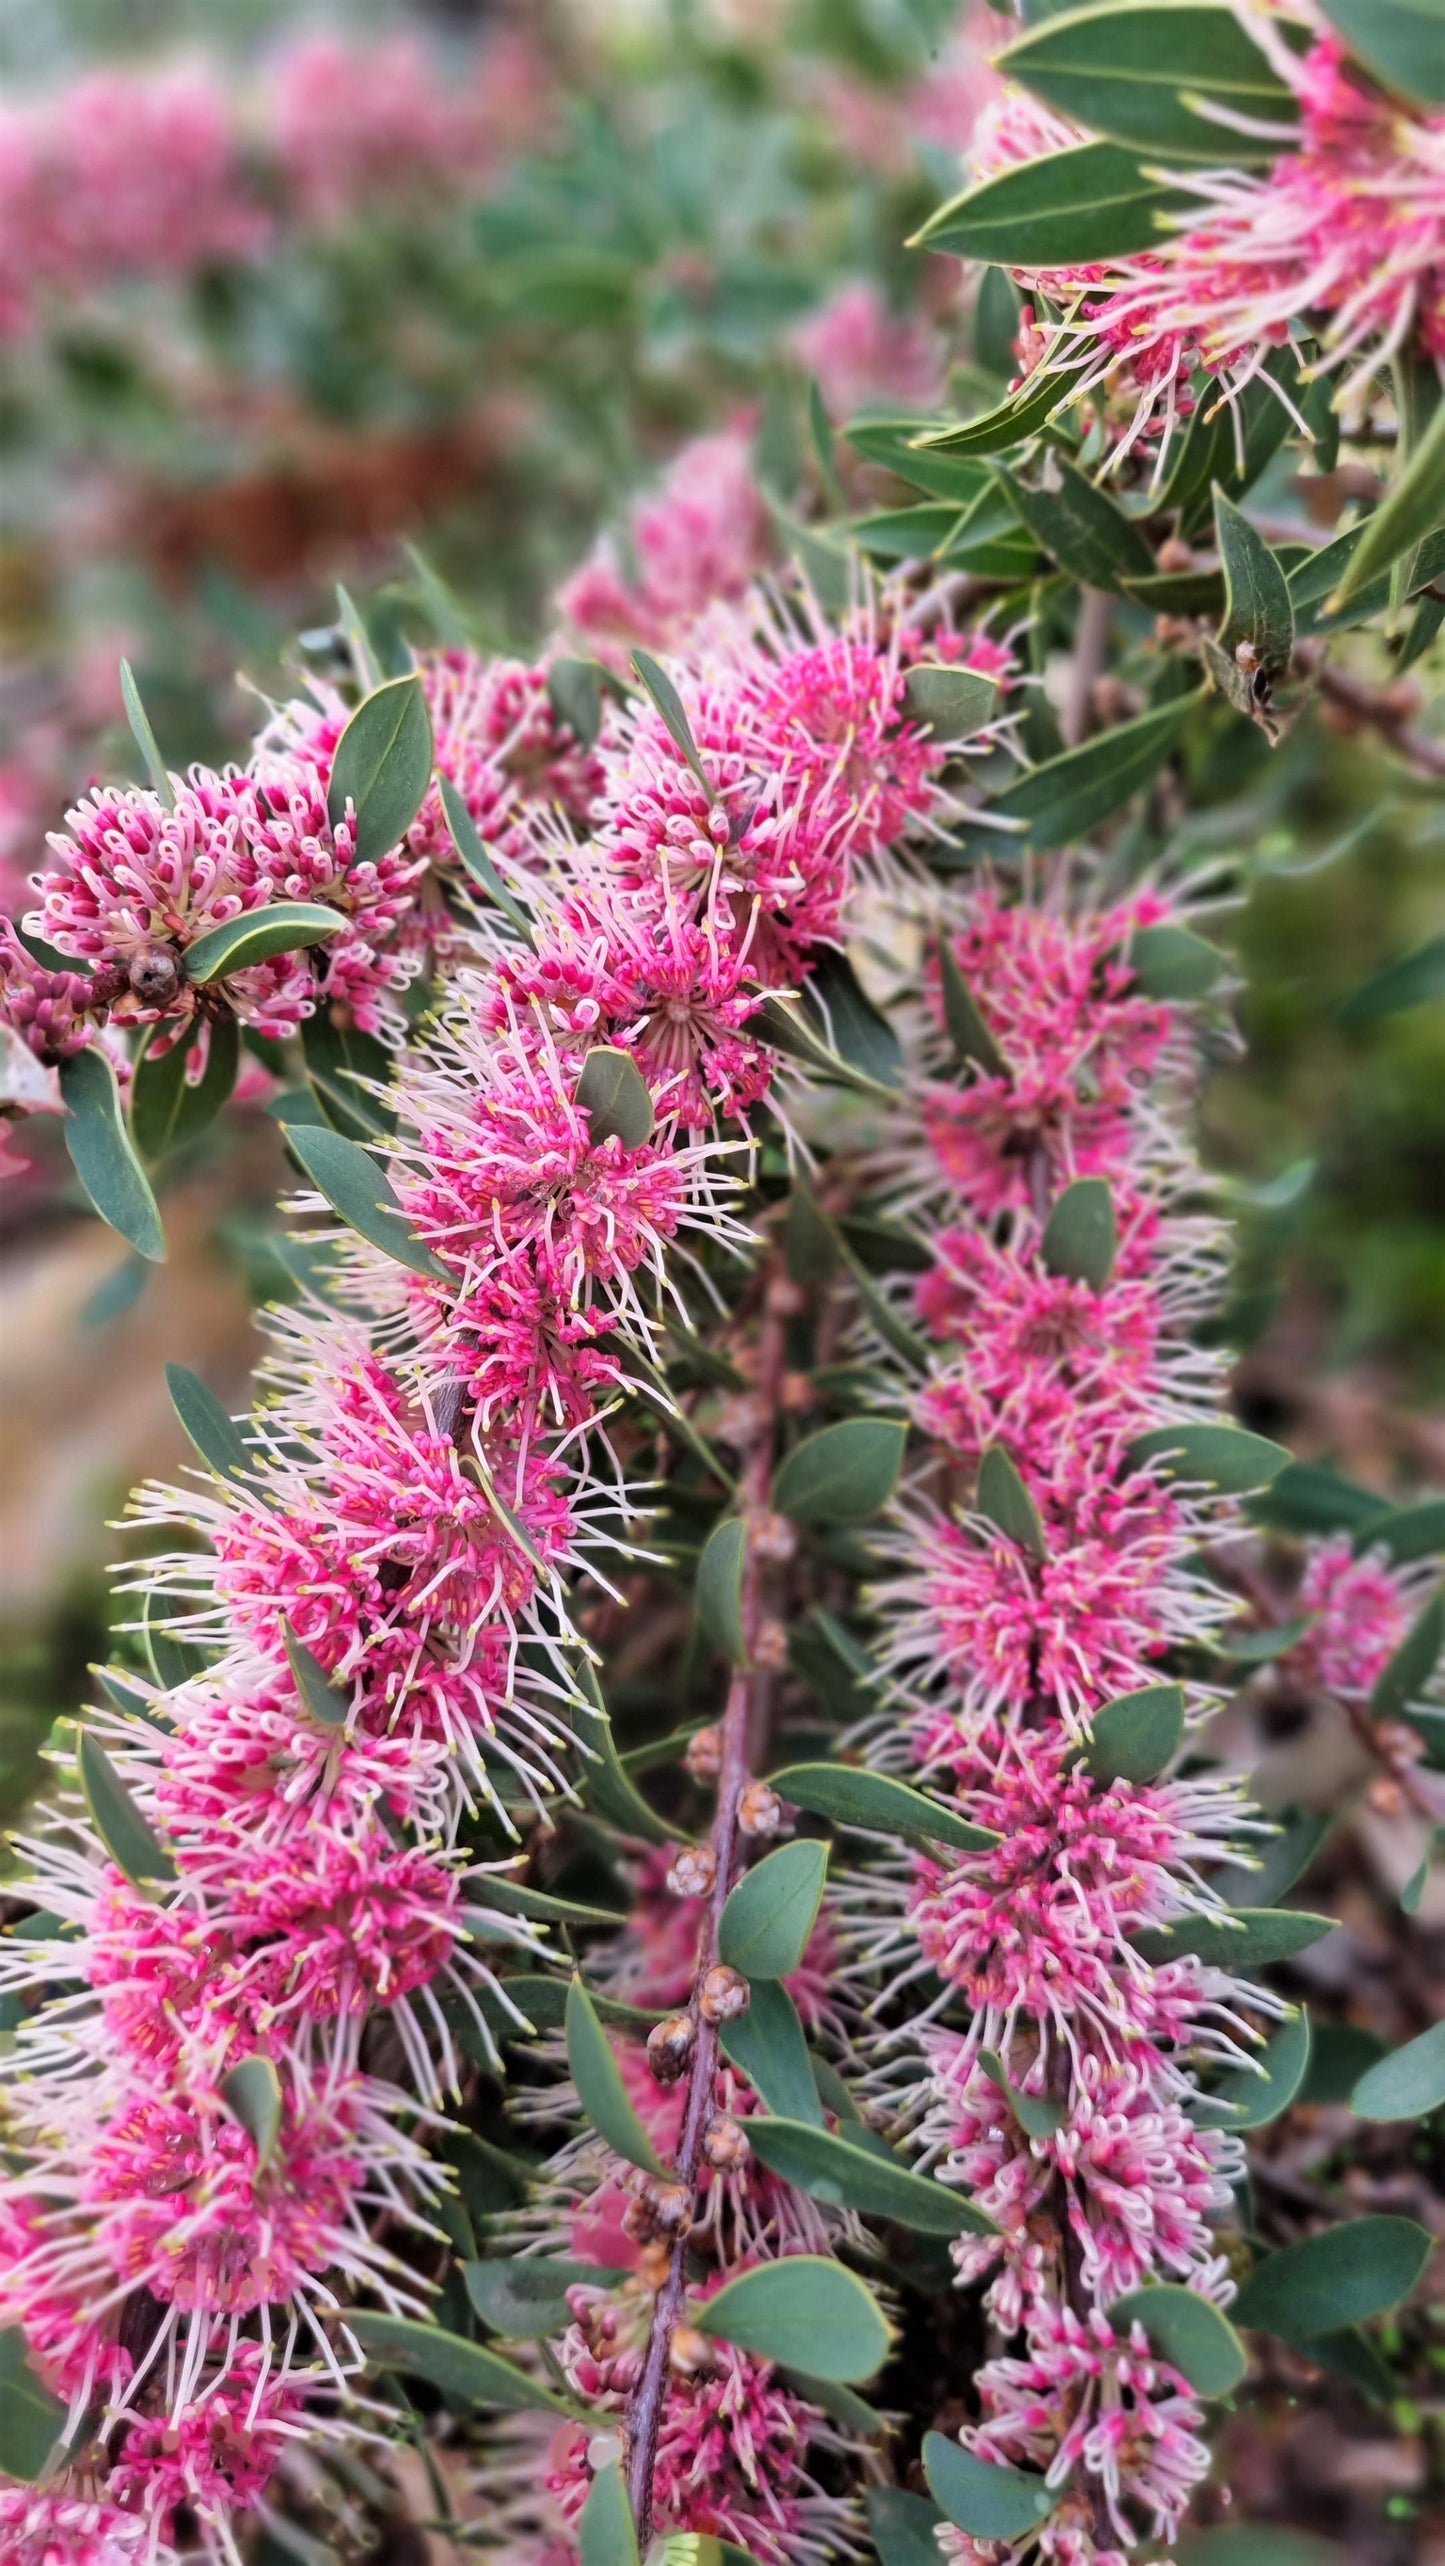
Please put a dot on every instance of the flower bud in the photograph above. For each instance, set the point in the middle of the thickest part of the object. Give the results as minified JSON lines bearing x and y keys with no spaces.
{"x":724,"y":2144}
{"x":154,"y":975}
{"x":703,"y":1757}
{"x":724,"y":1994}
{"x":759,"y":1810}
{"x":773,"y":1536}
{"x":692,"y":1871}
{"x":669,"y":2047}
{"x":690,"y":2353}
{"x":770,"y":1648}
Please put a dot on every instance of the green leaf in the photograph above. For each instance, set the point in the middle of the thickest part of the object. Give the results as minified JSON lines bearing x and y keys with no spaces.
{"x":789,"y":1025}
{"x":1135,"y":1736}
{"x":1067,"y":796}
{"x":837,"y":2171}
{"x":1170,"y":962}
{"x":519,"y":1898}
{"x":607,"y":1786}
{"x":1131,"y":70}
{"x":1005,"y":1500}
{"x":526,"y":2294}
{"x":981,"y":2496}
{"x":166,"y":1111}
{"x":1263,"y":2543}
{"x":1224,"y":1458}
{"x":1407,"y":2084}
{"x":1406,"y":1532}
{"x":1257,"y":607}
{"x":720,"y":1589}
{"x":902,"y":2526}
{"x":1414,"y":980}
{"x":1413,"y":1664}
{"x":1339,"y":2278}
{"x":600,"y":2089}
{"x":1309,"y":1497}
{"x":967,"y":1030}
{"x":1039,"y":2114}
{"x":1188,"y":2331}
{"x":103,"y":1156}
{"x":129,"y":1839}
{"x":1401,"y":41}
{"x":844,"y":1474}
{"x":477,"y":861}
{"x":1081,"y":529}
{"x":285,"y":927}
{"x":667,"y":702}
{"x":1256,"y":2096}
{"x":810,"y":1240}
{"x":806,"y":2312}
{"x":852,"y":1796}
{"x":895,"y":1332}
{"x":383,"y":767}
{"x":574,"y":691}
{"x":952,"y":703}
{"x":467,"y":2374}
{"x":1081,"y":1240}
{"x":1275,"y":1865}
{"x":31,"y":2419}
{"x":770,"y":1914}
{"x":1245,"y":1938}
{"x":613,"y":1094}
{"x":892,"y":442}
{"x":214,"y":1435}
{"x":251,"y":2092}
{"x":320,"y":1696}
{"x":341,"y":1062}
{"x":1067,"y":209}
{"x":1411,"y":509}
{"x":144,"y":736}
{"x":767,"y":2045}
{"x":360,"y":1193}
{"x":606,"y":2531}
{"x":1021,"y":415}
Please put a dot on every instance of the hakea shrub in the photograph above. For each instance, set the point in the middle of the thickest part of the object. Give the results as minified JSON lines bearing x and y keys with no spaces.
{"x":754,"y":1376}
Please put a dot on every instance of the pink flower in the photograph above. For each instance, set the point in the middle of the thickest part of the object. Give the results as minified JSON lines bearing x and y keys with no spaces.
{"x":1085,"y":2399}
{"x":47,"y":2527}
{"x":1359,"y":1611}
{"x":859,"y":351}
{"x":702,"y":538}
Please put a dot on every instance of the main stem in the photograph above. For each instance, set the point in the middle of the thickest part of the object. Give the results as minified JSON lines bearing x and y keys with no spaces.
{"x":741,"y":1722}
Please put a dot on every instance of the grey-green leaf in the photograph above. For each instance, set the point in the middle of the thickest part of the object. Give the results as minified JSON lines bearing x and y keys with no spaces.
{"x":1245,"y":1938}
{"x":1406,"y":2084}
{"x":166,"y":1110}
{"x":1411,"y":509}
{"x":129,"y":1838}
{"x":1081,"y":1239}
{"x":770,"y":1914}
{"x":1188,"y":2331}
{"x":1172,"y":962}
{"x":1413,"y":980}
{"x":526,"y":2294}
{"x":466,"y":2373}
{"x":1144,"y":72}
{"x":144,"y":737}
{"x":1258,"y":611}
{"x":606,"y":2531}
{"x":614,"y":1096}
{"x":1005,"y":1500}
{"x":835,"y":2170}
{"x":852,"y":1796}
{"x":382,"y":767}
{"x":214,"y":1435}
{"x":251,"y":2092}
{"x":600,"y":2089}
{"x":981,"y":2496}
{"x":574,"y":691}
{"x":1083,"y":530}
{"x":1256,"y":2096}
{"x":356,"y":1188}
{"x":1224,"y":1458}
{"x":967,"y":1031}
{"x":805,"y":2312}
{"x":1134,"y":1737}
{"x":902,"y":2526}
{"x":103,"y":1154}
{"x":843,"y":1474}
{"x":667,"y":702}
{"x":31,"y":2418}
{"x":952,"y":703}
{"x":1039,"y":2114}
{"x":720,"y":1589}
{"x":767,"y":2044}
{"x":477,"y":861}
{"x":1065,"y":209}
{"x":1063,"y":799}
{"x":1341,"y":2277}
{"x":322,"y":1699}
{"x":1413,"y":1663}
{"x":285,"y":927}
{"x":607,"y":1786}
{"x":1401,"y":41}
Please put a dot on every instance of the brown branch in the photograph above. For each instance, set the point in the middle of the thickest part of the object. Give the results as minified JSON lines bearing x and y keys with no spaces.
{"x":1390,"y":710}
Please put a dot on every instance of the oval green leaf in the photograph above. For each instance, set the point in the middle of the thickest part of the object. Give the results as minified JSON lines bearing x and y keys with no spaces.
{"x":1339,"y":2278}
{"x":31,"y":2419}
{"x":806,"y":2313}
{"x":666,"y":701}
{"x":613,"y":1094}
{"x":852,"y":1796}
{"x":526,"y":2294}
{"x":1413,"y":1663}
{"x":833,"y":2169}
{"x":1173,"y":962}
{"x":103,"y":1155}
{"x":981,"y":2496}
{"x":1079,"y":526}
{"x":770,"y":1914}
{"x":1005,"y":1500}
{"x":1401,"y":41}
{"x":320,"y":1696}
{"x":1066,"y":209}
{"x":1407,"y":2084}
{"x":1133,"y":1738}
{"x":1258,"y":609}
{"x":1256,"y":2096}
{"x":1246,"y":1938}
{"x":1081,"y":1239}
{"x":902,"y":2526}
{"x":357,"y":1190}
{"x":720,"y":1589}
{"x":600,"y":2089}
{"x":1188,"y":2331}
{"x":213,"y":1434}
{"x":129,"y":1838}
{"x":1223,"y":1458}
{"x":767,"y":2045}
{"x":967,"y":1030}
{"x":1133,"y":71}
{"x":1065,"y":797}
{"x":251,"y":2092}
{"x":467,"y":2374}
{"x":382,"y":767}
{"x":952,"y":703}
{"x":842,"y":1475}
{"x":284,"y":927}
{"x":606,"y":2531}
{"x":166,"y":1111}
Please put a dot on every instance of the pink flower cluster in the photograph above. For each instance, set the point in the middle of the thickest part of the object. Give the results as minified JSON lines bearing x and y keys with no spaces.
{"x":1064,"y":2106}
{"x":700,"y":539}
{"x":1345,"y":229}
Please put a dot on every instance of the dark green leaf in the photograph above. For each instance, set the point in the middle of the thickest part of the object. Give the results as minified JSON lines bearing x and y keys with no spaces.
{"x":1071,"y":520}
{"x":251,"y":2092}
{"x":448,"y":621}
{"x":1309,"y":1497}
{"x":1339,"y":2278}
{"x":806,"y":2311}
{"x":606,"y":2531}
{"x":767,"y":2045}
{"x":129,"y":1839}
{"x":1039,"y":2114}
{"x":600,"y":2089}
{"x":1411,"y":981}
{"x":1276,"y":1864}
{"x":770,"y":1914}
{"x":1401,"y":41}
{"x":144,"y":736}
{"x":356,"y":1188}
{"x":846,"y":2176}
{"x":214,"y":1435}
{"x":1220,"y":1457}
{"x":1257,"y":607}
{"x":1170,"y":962}
{"x":166,"y":1111}
{"x":810,"y":1240}
{"x":1133,"y":1738}
{"x":31,"y":2419}
{"x":1081,"y":1240}
{"x":382,"y":767}
{"x":952,"y":703}
{"x":102,"y":1154}
{"x":1406,"y":2084}
{"x":1413,"y":1664}
{"x":519,"y":1898}
{"x":526,"y":2294}
{"x":1188,"y":2331}
{"x":466,"y":2373}
{"x":1067,"y":796}
{"x":891,"y":442}
{"x":285,"y":927}
{"x":607,"y":1786}
{"x":791,"y":1027}
{"x":1005,"y":1500}
{"x":667,"y":702}
{"x":895,"y":1332}
{"x":325,"y":1703}
{"x":477,"y":861}
{"x":1131,"y":70}
{"x":843,"y":1474}
{"x":720,"y":1589}
{"x":613,"y":1094}
{"x":902,"y":2527}
{"x":1256,"y":2096}
{"x":1406,"y":1532}
{"x":1411,"y":509}
{"x":852,"y":1796}
{"x":967,"y":1030}
{"x":574,"y":690}
{"x":1021,"y":415}
{"x":342,"y":1064}
{"x":1245,"y":1938}
{"x":1065,"y":209}
{"x":917,"y":533}
{"x":981,"y":2496}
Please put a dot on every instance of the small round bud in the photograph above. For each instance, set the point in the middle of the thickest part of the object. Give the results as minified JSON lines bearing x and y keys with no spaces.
{"x":741,"y":1420}
{"x":672,"y":2207}
{"x":772,"y":1536}
{"x":724,"y":1994}
{"x":724,"y":2144}
{"x":796,"y":1393}
{"x":785,"y":1297}
{"x":704,"y":1755}
{"x":760,"y":1810}
{"x":669,"y":2047}
{"x":690,"y":2354}
{"x":154,"y":975}
{"x":1174,"y":555}
{"x":770,"y":1648}
{"x":692,"y":1871}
